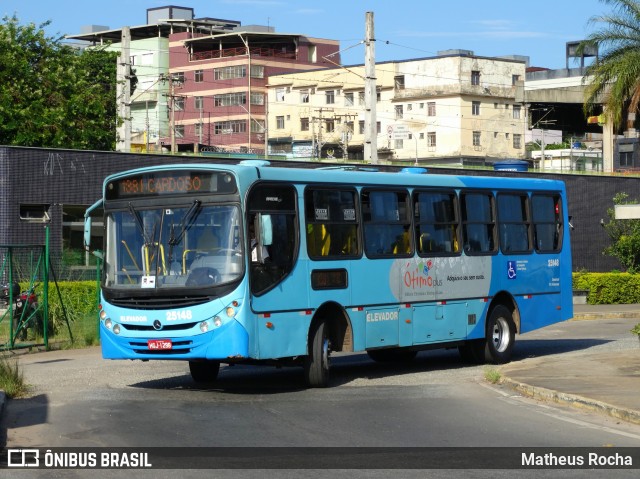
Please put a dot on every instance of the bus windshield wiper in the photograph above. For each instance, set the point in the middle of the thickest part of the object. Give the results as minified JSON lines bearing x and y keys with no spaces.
{"x":188,"y":219}
{"x":136,"y":216}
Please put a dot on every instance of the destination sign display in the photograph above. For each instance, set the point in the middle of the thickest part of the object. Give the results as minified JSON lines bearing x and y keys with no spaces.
{"x":162,"y":183}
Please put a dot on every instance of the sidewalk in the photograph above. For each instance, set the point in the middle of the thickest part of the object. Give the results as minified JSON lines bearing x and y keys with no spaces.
{"x":607,"y":382}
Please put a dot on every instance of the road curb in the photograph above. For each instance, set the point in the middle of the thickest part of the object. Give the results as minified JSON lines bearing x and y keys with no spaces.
{"x":611,"y":315}
{"x":573,"y":400}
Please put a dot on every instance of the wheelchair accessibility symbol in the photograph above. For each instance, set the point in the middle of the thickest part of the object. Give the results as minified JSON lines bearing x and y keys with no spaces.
{"x":511,"y":269}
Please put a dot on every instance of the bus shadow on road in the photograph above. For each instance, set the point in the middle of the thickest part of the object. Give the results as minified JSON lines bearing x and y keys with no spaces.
{"x":345,"y":369}
{"x":355,"y":367}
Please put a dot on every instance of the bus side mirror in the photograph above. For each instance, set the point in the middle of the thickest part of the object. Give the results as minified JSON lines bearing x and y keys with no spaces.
{"x":87,"y":229}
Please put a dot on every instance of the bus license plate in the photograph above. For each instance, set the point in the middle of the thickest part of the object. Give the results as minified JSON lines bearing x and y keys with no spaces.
{"x":158,"y":344}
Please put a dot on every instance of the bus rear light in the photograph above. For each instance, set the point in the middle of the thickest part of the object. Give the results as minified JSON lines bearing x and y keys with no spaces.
{"x":204,"y":326}
{"x":217,"y":322}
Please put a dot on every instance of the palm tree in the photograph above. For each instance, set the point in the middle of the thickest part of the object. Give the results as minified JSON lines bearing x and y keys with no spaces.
{"x":613,"y":80}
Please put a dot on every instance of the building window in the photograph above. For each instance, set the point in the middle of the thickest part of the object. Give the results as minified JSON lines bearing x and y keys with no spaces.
{"x":37,"y":213}
{"x":514,"y":79}
{"x":399,"y":112}
{"x":230,"y":99}
{"x":476,"y":139}
{"x":198,"y":103}
{"x":348,"y":125}
{"x":431,"y":108}
{"x":280,"y":94}
{"x":257,"y":126}
{"x":178,"y":103}
{"x":360,"y":98}
{"x":198,"y":130}
{"x":257,"y":98}
{"x":517,"y":141}
{"x":228,"y":73}
{"x":330,"y":97}
{"x":257,"y":71}
{"x":399,"y":82}
{"x":199,"y":76}
{"x":421,"y":136}
{"x":178,"y":77}
{"x":330,"y":126}
{"x":399,"y":144}
{"x":626,"y":159}
{"x":179,"y":131}
{"x":304,"y":96}
{"x":475,"y":108}
{"x":431,"y":139}
{"x":279,"y":122}
{"x":348,"y":99}
{"x":361,"y":127}
{"x":229,"y":127}
{"x":475,"y":77}
{"x":516,"y":112}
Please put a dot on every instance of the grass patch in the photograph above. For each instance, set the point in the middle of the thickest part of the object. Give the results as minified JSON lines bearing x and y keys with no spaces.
{"x":492,"y":375}
{"x":11,"y":378}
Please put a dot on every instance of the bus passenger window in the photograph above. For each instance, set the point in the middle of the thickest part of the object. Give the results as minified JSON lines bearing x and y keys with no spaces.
{"x":513,"y":215}
{"x":478,"y":223}
{"x":436,"y":215}
{"x":332,"y":223}
{"x":387,"y":223}
{"x":547,"y":223}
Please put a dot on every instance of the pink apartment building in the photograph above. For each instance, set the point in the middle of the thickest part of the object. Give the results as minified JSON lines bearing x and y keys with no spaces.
{"x":217,"y":99}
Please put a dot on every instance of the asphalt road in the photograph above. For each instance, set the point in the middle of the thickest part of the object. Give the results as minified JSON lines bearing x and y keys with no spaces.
{"x":79,"y":400}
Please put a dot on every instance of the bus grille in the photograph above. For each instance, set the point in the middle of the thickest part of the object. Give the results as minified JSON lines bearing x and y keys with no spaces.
{"x":159,"y":303}
{"x":169,"y":327}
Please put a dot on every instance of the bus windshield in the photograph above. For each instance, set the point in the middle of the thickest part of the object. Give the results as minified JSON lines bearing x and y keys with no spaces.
{"x":196,"y":245}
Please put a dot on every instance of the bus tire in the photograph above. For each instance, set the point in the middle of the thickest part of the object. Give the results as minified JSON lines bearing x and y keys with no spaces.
{"x":395,"y":355}
{"x":204,"y":371}
{"x":500,"y":336}
{"x":317,"y":362}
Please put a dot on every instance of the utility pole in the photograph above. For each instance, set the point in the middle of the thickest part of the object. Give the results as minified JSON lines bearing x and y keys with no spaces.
{"x":370,"y":97}
{"x":124,"y":91}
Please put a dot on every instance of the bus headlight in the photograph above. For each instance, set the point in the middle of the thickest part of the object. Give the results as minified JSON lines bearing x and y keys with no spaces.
{"x":108,"y":323}
{"x":231,"y":312}
{"x":217,"y":321}
{"x":103,"y":314}
{"x":116,"y":329}
{"x":204,"y":326}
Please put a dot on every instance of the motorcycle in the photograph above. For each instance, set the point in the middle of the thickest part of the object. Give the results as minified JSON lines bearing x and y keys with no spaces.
{"x":25,"y":310}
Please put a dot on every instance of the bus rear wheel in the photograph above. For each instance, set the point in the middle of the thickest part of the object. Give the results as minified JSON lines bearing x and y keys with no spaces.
{"x":317,"y":362}
{"x":204,"y":371}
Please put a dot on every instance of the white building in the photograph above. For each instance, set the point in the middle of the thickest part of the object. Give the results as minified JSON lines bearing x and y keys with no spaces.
{"x":455,"y":107}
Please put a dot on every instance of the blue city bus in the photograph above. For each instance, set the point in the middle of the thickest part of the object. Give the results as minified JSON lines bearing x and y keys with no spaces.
{"x":252,"y":262}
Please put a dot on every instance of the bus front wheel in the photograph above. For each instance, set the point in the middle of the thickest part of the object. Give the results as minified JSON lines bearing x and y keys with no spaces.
{"x":501,"y":336}
{"x":204,"y":371}
{"x":316,"y":363}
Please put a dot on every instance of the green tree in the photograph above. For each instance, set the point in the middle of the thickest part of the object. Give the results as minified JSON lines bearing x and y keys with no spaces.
{"x":53,"y":95}
{"x":613,"y":80}
{"x":625,"y":236}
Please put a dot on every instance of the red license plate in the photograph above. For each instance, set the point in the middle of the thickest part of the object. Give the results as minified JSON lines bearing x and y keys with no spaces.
{"x":159,"y":344}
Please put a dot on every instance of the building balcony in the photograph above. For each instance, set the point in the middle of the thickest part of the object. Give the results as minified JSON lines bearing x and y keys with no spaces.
{"x":242,"y":51}
{"x":433,"y":91}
